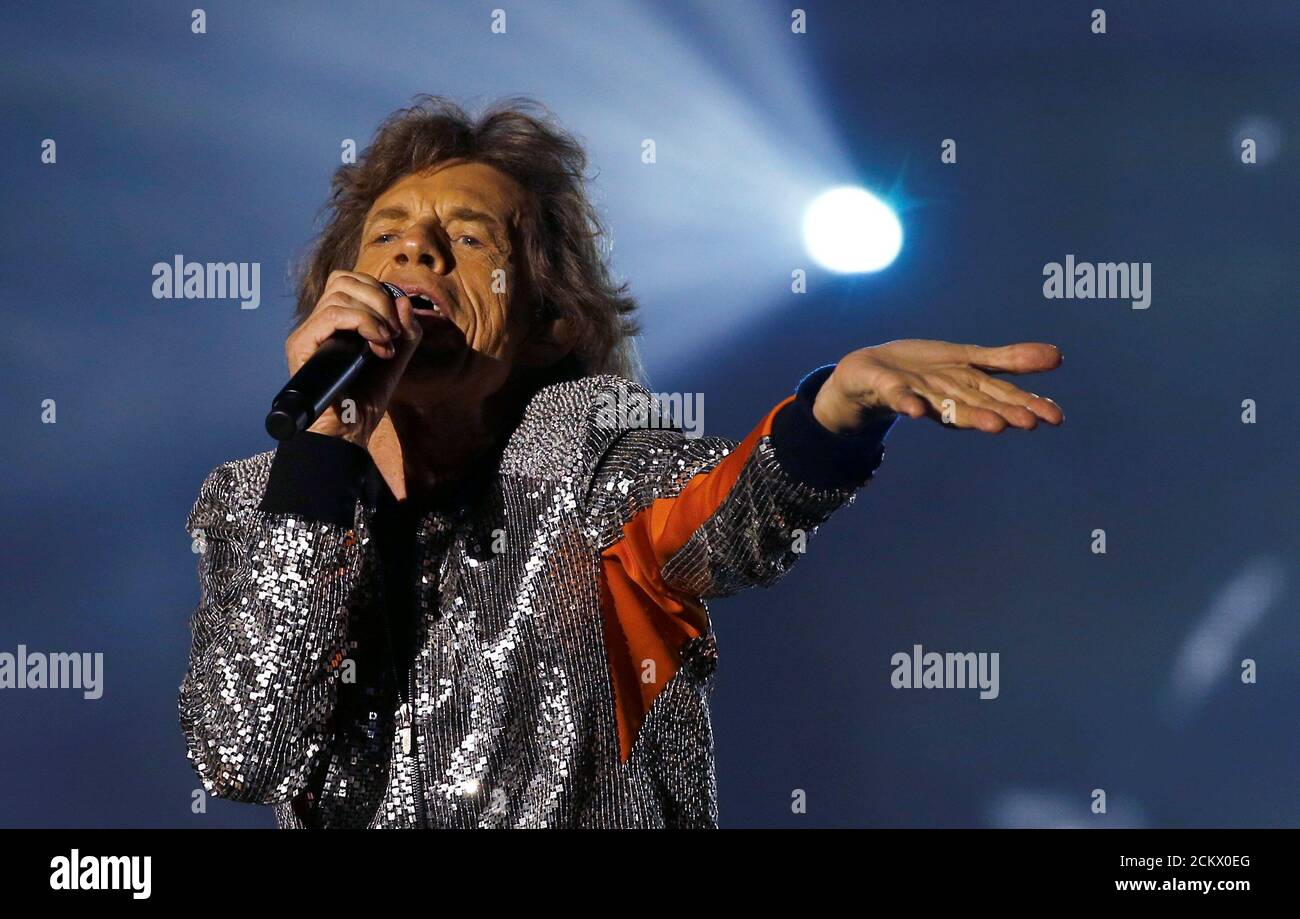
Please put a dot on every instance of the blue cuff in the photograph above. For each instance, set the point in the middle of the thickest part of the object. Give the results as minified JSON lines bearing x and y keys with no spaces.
{"x":816,"y":456}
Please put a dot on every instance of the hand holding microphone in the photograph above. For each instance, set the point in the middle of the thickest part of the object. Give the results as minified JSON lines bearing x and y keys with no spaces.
{"x":357,"y":342}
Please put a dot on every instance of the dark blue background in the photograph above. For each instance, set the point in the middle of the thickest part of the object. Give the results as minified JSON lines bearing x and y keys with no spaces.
{"x":1114,"y":147}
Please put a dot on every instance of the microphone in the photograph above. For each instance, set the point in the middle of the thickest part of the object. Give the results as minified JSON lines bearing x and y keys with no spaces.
{"x":319,"y":381}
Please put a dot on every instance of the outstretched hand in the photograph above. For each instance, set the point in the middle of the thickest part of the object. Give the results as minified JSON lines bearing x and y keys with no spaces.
{"x":947,"y":382}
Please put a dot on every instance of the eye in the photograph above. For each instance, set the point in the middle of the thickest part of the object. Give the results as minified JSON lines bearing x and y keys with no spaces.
{"x":383,"y":237}
{"x":471,"y":241}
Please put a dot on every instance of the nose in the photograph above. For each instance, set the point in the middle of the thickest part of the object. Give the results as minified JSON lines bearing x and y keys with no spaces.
{"x":423,"y":245}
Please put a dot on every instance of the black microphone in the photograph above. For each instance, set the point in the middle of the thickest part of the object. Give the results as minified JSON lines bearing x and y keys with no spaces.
{"x":319,"y":381}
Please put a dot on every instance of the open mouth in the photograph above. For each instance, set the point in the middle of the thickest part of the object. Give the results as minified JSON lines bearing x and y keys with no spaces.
{"x":441,"y":334}
{"x":423,"y":302}
{"x":423,"y":306}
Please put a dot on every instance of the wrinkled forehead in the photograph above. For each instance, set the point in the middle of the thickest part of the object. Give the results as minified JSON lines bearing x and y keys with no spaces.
{"x":456,"y":183}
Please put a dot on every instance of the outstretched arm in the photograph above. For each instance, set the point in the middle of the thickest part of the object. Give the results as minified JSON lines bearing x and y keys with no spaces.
{"x":679,"y":519}
{"x":713,"y":516}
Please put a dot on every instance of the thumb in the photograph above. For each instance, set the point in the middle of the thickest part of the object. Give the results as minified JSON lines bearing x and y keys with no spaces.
{"x":412,"y":331}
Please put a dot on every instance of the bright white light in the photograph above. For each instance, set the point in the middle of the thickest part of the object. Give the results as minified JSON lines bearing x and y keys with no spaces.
{"x":850,"y":230}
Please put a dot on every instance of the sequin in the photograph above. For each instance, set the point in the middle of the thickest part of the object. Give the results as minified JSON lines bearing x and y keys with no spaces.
{"x":511,"y":720}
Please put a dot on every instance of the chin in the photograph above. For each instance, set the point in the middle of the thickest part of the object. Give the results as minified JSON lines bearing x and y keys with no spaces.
{"x":427,"y":363}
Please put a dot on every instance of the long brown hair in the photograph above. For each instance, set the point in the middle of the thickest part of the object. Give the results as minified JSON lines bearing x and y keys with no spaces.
{"x":564,"y":241}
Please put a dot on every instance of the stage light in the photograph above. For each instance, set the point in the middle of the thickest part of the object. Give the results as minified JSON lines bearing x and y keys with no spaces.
{"x":850,"y":230}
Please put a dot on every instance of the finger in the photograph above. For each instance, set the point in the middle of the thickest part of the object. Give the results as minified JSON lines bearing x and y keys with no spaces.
{"x":337,"y":317}
{"x":411,"y":329}
{"x":1026,"y":357}
{"x":904,"y":400}
{"x":339,"y":273}
{"x":410,"y":339}
{"x":953,"y":412}
{"x":1016,"y":415}
{"x":1043,"y":408}
{"x":356,"y":279}
{"x":962,"y":415}
{"x":368,"y":291}
{"x":340,"y":298}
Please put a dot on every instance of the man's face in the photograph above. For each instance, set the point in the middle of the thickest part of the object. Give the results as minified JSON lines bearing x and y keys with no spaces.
{"x":447,"y":234}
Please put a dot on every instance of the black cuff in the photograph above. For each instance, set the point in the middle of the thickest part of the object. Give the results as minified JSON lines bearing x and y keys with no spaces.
{"x":818,"y":457}
{"x":321,"y":478}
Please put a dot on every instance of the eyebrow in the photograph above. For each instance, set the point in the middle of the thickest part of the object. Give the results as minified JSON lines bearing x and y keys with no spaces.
{"x":469,"y":214}
{"x":392,"y":212}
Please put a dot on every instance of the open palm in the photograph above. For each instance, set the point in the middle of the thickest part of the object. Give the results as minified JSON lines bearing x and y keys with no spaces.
{"x":947,"y":382}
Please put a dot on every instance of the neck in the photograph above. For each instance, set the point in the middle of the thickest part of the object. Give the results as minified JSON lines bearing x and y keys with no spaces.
{"x":422,"y":450}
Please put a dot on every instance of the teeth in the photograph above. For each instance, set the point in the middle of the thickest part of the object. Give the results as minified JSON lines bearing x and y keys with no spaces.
{"x":425,"y":303}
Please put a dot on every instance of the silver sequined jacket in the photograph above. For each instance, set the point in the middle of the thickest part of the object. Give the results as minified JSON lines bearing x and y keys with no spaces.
{"x":563,"y":653}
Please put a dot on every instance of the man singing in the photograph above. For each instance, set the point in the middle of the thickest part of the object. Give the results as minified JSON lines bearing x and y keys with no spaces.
{"x":470,"y":595}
